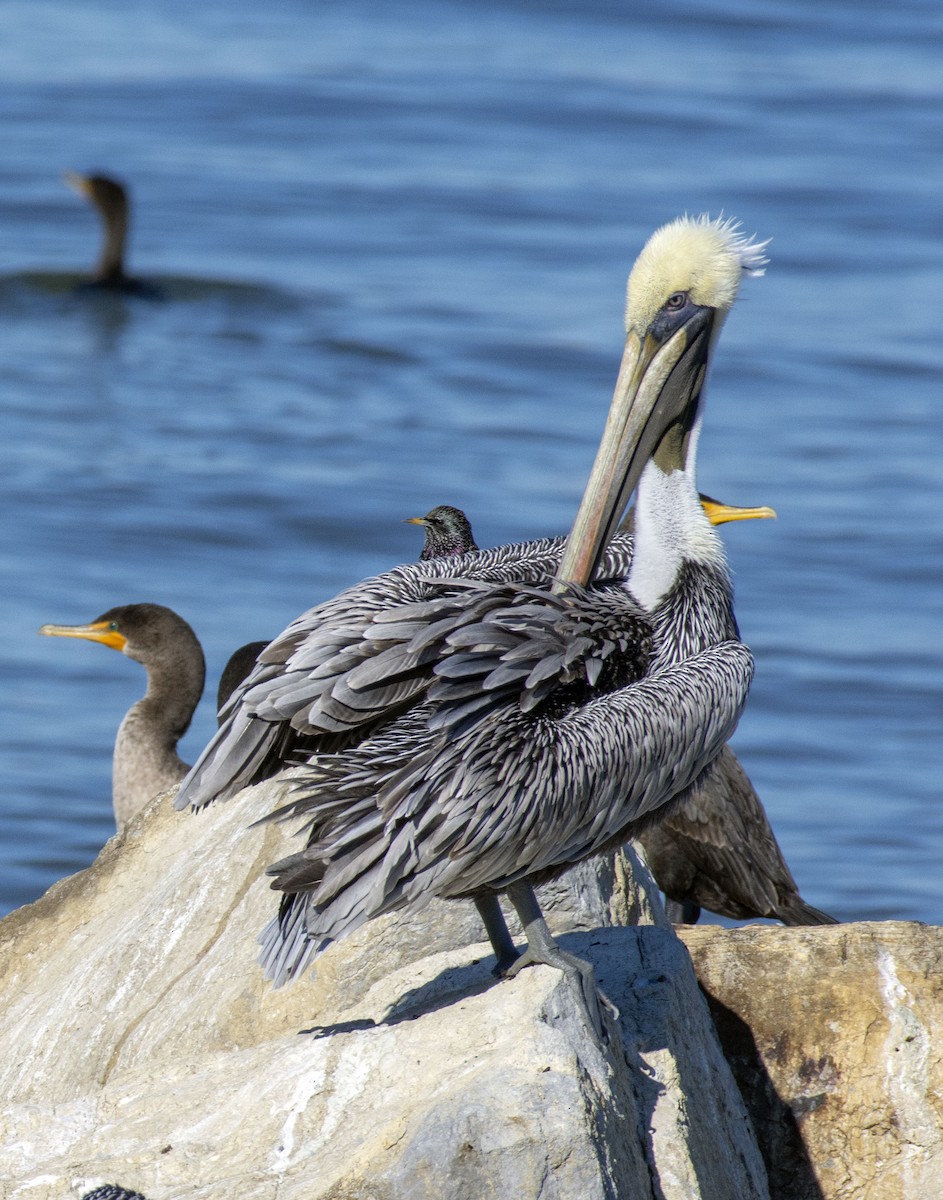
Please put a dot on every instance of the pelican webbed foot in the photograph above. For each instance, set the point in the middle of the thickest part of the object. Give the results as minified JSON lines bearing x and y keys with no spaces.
{"x":541,"y":948}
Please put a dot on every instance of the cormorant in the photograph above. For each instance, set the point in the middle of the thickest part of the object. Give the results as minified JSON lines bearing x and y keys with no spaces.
{"x":145,"y":757}
{"x":110,"y":200}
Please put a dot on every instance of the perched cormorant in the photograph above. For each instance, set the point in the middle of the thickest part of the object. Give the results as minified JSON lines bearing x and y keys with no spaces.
{"x":237,"y":667}
{"x":717,"y":850}
{"x":485,"y":733}
{"x":145,"y":758}
{"x":110,"y":200}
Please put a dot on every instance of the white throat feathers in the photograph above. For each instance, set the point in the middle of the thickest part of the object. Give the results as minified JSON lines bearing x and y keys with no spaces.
{"x":671,"y":527}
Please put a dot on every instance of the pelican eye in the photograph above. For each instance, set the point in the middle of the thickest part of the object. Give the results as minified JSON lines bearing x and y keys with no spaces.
{"x":672,"y":314}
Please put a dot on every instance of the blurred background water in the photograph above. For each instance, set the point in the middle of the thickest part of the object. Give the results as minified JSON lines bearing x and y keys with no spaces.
{"x":393,"y":242}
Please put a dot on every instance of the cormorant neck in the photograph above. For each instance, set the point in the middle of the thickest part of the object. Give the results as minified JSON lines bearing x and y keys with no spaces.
{"x":174,"y":688}
{"x":145,"y":758}
{"x":671,"y":528}
{"x":111,"y":262}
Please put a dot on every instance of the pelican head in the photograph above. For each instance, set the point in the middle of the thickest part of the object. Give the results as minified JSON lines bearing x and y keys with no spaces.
{"x":680,"y":291}
{"x":705,"y":259}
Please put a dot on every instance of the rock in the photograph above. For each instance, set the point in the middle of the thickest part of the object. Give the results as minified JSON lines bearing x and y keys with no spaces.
{"x":141,"y":1045}
{"x":835,"y":1036}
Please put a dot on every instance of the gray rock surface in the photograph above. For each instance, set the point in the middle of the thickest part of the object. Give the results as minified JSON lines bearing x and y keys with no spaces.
{"x":140,"y":1044}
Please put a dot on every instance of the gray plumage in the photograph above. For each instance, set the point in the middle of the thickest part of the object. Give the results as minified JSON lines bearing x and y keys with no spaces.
{"x":448,"y":533}
{"x":145,"y":759}
{"x":328,"y":638}
{"x":433,"y":784}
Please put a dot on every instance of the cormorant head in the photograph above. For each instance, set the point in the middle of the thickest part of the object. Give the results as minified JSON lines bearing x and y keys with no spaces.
{"x":107,"y":194}
{"x":141,"y":631}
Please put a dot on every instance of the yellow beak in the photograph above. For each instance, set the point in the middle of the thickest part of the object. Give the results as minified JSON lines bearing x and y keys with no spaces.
{"x":99,"y":631}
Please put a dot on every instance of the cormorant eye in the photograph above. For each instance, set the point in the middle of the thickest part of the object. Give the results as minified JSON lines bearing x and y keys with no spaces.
{"x":113,"y":626}
{"x":676,"y":300}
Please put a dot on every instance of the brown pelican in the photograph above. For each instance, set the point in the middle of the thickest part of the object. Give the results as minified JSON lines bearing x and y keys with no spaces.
{"x":145,"y":757}
{"x":716,"y":849}
{"x":482,"y":733}
{"x":110,"y":200}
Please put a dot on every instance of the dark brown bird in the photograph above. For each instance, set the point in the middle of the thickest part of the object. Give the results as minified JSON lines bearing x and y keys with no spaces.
{"x":448,"y":532}
{"x":238,"y":666}
{"x":717,"y":850}
{"x":110,"y":200}
{"x":145,"y":758}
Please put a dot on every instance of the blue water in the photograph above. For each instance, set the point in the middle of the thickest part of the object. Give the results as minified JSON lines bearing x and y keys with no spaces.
{"x":393,"y":241}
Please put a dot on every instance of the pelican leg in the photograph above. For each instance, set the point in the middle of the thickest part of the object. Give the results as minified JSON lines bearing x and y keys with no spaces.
{"x":541,"y":948}
{"x":503,"y":945}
